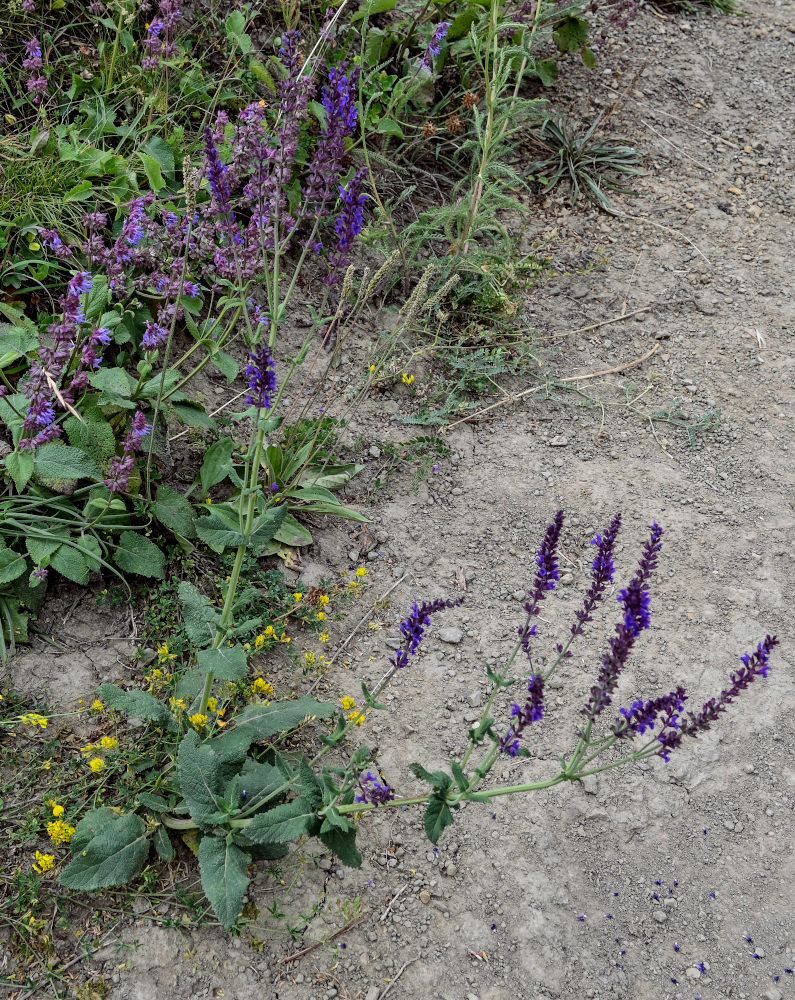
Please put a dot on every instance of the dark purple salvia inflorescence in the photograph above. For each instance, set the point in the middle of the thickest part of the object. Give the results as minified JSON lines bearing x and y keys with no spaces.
{"x":339,"y":102}
{"x":260,"y":376}
{"x":37,"y":82}
{"x":118,"y":477}
{"x":754,"y":665}
{"x":159,"y":43}
{"x":373,"y":791}
{"x":602,"y":570}
{"x":434,"y":45}
{"x":544,"y":581}
{"x":348,"y":225}
{"x":641,"y":715}
{"x":533,"y":711}
{"x":635,"y":599}
{"x":413,"y":627}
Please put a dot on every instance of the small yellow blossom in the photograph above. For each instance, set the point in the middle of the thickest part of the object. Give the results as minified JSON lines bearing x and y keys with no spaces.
{"x":309,"y":658}
{"x":259,"y":642}
{"x":284,"y":637}
{"x":43,"y":862}
{"x":177,"y":704}
{"x":406,"y":379}
{"x":270,"y":632}
{"x":321,"y":616}
{"x":372,"y":368}
{"x":375,"y":626}
{"x":108,"y":742}
{"x":34,"y":719}
{"x":57,"y":810}
{"x":324,"y":637}
{"x":60,"y":832}
{"x":198,"y":720}
{"x":162,"y":651}
{"x":46,"y":765}
{"x":261,"y":686}
{"x":87,"y":750}
{"x":96,"y":764}
{"x":356,"y":717}
{"x":348,"y":702}
{"x":208,"y":501}
{"x":96,"y":705}
{"x":297,"y":596}
{"x":212,"y":704}
{"x":361,"y":571}
{"x":323,"y":599}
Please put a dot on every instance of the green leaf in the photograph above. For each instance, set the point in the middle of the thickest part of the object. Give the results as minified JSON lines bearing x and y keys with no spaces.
{"x":96,"y":298}
{"x":12,"y":565}
{"x":92,"y":435}
{"x":545,"y":69}
{"x":197,"y":767}
{"x":20,"y":468}
{"x":216,"y":533}
{"x":94,"y":822}
{"x":138,"y":554}
{"x":588,"y":57}
{"x":437,"y":817}
{"x":114,"y":381}
{"x":225,"y":364}
{"x":280,"y":716}
{"x":59,"y":461}
{"x":139,"y":704}
{"x":343,"y":845}
{"x":217,"y":462}
{"x":152,"y":169}
{"x":227,"y":663}
{"x":571,"y":34}
{"x":458,"y":774}
{"x":114,"y":856}
{"x":373,"y":7}
{"x":174,"y":511}
{"x":199,"y":616}
{"x":160,"y":150}
{"x":155,"y":803}
{"x":222,"y":866}
{"x":370,"y":699}
{"x":284,"y":822}
{"x":388,"y":126}
{"x":14,"y":343}
{"x":267,"y":526}
{"x":258,"y":780}
{"x":71,"y":563}
{"x":193,"y":414}
{"x":330,"y":476}
{"x":163,"y":845}
{"x":40,"y":549}
{"x":437,"y":779}
{"x":291,"y":532}
{"x":334,"y":510}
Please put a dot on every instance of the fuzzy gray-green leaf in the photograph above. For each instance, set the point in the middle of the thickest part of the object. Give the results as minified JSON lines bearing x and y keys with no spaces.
{"x":223,"y":872}
{"x":114,"y":856}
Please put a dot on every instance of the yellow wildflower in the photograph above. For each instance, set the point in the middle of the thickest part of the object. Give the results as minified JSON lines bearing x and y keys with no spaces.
{"x":356,"y":717}
{"x":323,"y":599}
{"x":57,"y":810}
{"x":212,"y":704}
{"x":60,"y":832}
{"x":372,"y":368}
{"x":34,"y":719}
{"x":321,"y":616}
{"x":309,"y":658}
{"x":375,"y":626}
{"x":208,"y":501}
{"x":108,"y":742}
{"x":348,"y":702}
{"x":261,"y":686}
{"x":270,"y":632}
{"x":406,"y":379}
{"x":297,"y":596}
{"x":46,"y":765}
{"x":96,"y":764}
{"x":96,"y":705}
{"x":162,"y":651}
{"x":284,"y":637}
{"x":198,"y":720}
{"x":324,"y":637}
{"x":259,"y":642}
{"x":43,"y":862}
{"x":361,"y":571}
{"x":177,"y":704}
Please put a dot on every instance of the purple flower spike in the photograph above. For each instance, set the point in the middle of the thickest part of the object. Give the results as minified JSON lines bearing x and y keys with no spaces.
{"x":546,"y":575}
{"x":413,"y":627}
{"x":348,"y":225}
{"x":373,"y":791}
{"x":642,"y":716}
{"x":434,"y":45}
{"x":216,"y":178}
{"x":533,"y":711}
{"x":118,"y":478}
{"x":261,"y":377}
{"x":601,"y":575}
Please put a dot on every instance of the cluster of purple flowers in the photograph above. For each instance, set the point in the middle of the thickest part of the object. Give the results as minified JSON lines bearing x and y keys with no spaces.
{"x":118,"y":478}
{"x":37,"y":82}
{"x":159,"y":43}
{"x":602,"y":570}
{"x":339,"y":103}
{"x":373,"y":791}
{"x":533,"y":711}
{"x":260,"y":377}
{"x":413,"y":627}
{"x":635,"y":599}
{"x":434,"y":45}
{"x":62,"y":368}
{"x":546,"y":575}
{"x":641,"y":715}
{"x":348,"y":225}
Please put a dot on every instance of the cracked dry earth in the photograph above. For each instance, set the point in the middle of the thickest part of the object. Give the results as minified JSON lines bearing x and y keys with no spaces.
{"x":672,"y":866}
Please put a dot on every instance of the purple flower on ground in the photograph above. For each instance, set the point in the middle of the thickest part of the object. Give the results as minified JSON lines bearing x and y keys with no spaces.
{"x":373,"y":791}
{"x":643,"y":715}
{"x":28,"y":7}
{"x":413,"y":627}
{"x":754,"y":665}
{"x":533,"y":711}
{"x":635,"y":599}
{"x":118,"y":477}
{"x":261,"y":377}
{"x":602,"y":570}
{"x":348,"y":225}
{"x":546,"y":575}
{"x":434,"y":45}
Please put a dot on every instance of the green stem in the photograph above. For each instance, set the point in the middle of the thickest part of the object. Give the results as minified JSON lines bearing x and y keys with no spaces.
{"x":115,"y":51}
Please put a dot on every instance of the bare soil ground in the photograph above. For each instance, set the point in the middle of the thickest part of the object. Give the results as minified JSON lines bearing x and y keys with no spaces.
{"x":671,"y":865}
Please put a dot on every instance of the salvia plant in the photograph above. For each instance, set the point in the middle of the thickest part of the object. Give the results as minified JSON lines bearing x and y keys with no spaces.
{"x":246,"y":795}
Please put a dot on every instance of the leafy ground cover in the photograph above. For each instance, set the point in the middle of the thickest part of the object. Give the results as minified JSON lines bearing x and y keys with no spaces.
{"x":206,"y":217}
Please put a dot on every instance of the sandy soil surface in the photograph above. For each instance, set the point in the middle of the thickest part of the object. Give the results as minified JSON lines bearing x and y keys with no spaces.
{"x":644,"y":883}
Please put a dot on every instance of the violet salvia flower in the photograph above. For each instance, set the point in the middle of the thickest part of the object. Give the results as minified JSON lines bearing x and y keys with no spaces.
{"x":373,"y":791}
{"x":261,"y":377}
{"x":546,"y":575}
{"x":159,"y":43}
{"x":754,"y":665}
{"x":28,"y":7}
{"x":413,"y":627}
{"x":348,"y":225}
{"x":40,"y":573}
{"x":339,"y":102}
{"x":641,"y":715}
{"x":635,"y":599}
{"x":34,"y":60}
{"x":533,"y":711}
{"x":434,"y":45}
{"x":118,"y":478}
{"x":602,"y":570}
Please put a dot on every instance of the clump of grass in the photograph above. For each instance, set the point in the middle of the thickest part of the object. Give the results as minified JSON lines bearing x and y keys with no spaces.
{"x":586,"y":159}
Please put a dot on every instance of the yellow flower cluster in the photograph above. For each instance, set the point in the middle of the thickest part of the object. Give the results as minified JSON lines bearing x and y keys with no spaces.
{"x":43,"y":862}
{"x":34,"y":719}
{"x":96,"y":705}
{"x":198,"y":720}
{"x":406,"y":379}
{"x":96,"y":764}
{"x":263,"y":687}
{"x":324,"y":636}
{"x":57,"y":810}
{"x":60,"y":832}
{"x":157,"y":679}
{"x":163,"y":654}
{"x":349,"y":705}
{"x":176,"y":704}
{"x":323,"y":599}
